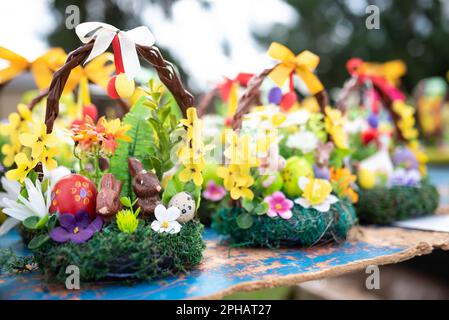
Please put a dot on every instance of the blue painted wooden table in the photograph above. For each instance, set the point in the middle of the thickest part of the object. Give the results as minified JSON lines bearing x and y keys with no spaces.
{"x":225,"y":271}
{"x":222,"y":271}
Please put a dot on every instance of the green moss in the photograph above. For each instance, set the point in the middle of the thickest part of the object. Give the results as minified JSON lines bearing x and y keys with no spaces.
{"x":111,"y":254}
{"x":307,"y":227}
{"x":384,"y":205}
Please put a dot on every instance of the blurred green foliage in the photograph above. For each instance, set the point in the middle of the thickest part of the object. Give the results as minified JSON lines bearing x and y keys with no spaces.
{"x":416,"y":31}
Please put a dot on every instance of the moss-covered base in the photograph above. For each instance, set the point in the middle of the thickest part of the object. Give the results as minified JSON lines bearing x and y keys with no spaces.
{"x":113,"y":255}
{"x":307,"y":227}
{"x":385,"y":205}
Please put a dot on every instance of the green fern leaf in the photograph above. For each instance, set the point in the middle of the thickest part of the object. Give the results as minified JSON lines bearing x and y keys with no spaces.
{"x":141,"y":135}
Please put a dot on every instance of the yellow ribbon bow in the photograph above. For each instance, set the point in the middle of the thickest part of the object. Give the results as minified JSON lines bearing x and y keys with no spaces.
{"x":42,"y":68}
{"x":97,"y":71}
{"x":303,"y":64}
{"x":392,"y":71}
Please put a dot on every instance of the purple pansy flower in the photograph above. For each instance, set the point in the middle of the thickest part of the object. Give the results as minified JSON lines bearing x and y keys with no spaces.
{"x":76,"y":228}
{"x":402,"y":177}
{"x":214,"y":192}
{"x":404,"y":157}
{"x":275,"y":95}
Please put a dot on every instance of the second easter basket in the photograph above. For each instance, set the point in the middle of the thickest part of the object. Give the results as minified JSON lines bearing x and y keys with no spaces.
{"x":251,"y":223}
{"x":138,"y":229}
{"x":391,"y":167}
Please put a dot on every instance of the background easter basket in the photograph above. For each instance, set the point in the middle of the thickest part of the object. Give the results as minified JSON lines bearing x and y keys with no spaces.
{"x":111,"y":254}
{"x":383,"y":204}
{"x":306,"y":227}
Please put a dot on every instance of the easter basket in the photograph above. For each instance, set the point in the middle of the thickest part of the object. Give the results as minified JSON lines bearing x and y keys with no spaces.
{"x":391,"y":167}
{"x":136,"y":226}
{"x":283,"y":214}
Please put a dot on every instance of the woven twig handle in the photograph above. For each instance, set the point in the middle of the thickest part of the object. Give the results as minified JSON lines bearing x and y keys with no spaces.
{"x":206,"y":101}
{"x":252,"y":93}
{"x":165,"y":70}
{"x":353,"y":85}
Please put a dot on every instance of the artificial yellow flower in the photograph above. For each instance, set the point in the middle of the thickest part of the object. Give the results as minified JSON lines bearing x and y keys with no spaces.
{"x":24,"y":166}
{"x":192,"y":172}
{"x":38,"y":140}
{"x":334,"y":122}
{"x":316,"y":191}
{"x":11,"y":150}
{"x":47,"y":158}
{"x":228,"y":174}
{"x":406,"y":121}
{"x":241,"y":188}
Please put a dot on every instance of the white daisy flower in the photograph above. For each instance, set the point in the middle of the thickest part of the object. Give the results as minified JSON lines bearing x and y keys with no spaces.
{"x":166,"y":220}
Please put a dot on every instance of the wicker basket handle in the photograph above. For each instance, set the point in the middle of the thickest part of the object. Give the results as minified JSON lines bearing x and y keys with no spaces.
{"x":354,"y":84}
{"x":165,"y":70}
{"x":251,"y":94}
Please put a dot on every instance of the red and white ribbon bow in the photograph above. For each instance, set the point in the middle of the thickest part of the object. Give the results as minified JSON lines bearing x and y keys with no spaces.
{"x":104,"y":34}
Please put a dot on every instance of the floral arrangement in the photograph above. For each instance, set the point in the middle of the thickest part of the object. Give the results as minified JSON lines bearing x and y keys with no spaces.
{"x":430,"y":97}
{"x":283,"y":180}
{"x":137,"y":181}
{"x":387,"y":156}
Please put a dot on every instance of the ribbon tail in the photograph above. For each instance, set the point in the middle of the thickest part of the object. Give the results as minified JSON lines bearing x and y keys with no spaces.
{"x":130,"y":58}
{"x":310,"y":80}
{"x":280,"y":74}
{"x":101,"y":44}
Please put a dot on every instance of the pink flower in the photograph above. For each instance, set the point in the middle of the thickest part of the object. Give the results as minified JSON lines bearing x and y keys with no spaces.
{"x":279,"y":205}
{"x":214,"y":192}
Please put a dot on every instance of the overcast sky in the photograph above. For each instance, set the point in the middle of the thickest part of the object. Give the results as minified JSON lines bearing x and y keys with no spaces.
{"x":194,"y":36}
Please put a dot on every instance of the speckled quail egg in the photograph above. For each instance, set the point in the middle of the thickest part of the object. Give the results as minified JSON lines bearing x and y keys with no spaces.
{"x":186,"y":204}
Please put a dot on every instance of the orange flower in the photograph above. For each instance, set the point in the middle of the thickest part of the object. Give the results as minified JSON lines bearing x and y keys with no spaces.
{"x":341,"y":180}
{"x":103,"y":136}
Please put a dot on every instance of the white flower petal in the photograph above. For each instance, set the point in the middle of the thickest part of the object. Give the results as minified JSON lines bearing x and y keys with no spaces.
{"x":323,"y":207}
{"x":302,"y":202}
{"x":7,"y":225}
{"x":302,"y":182}
{"x":331,"y":199}
{"x":174,"y":227}
{"x":12,"y":188}
{"x":159,"y":212}
{"x":157,"y":226}
{"x":17,"y":210}
{"x":172,"y":214}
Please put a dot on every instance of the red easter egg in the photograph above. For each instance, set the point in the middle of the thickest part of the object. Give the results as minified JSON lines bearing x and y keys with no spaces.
{"x":91,"y":111}
{"x":288,"y":100}
{"x":112,"y":92}
{"x":72,"y":194}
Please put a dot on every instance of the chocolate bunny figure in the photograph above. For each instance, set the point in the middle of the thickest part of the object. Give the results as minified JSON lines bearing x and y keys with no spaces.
{"x":146,"y":186}
{"x":108,"y":199}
